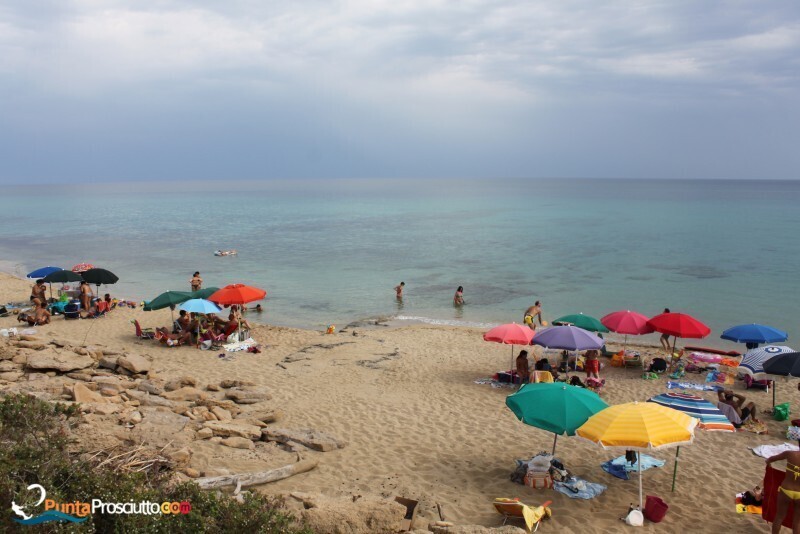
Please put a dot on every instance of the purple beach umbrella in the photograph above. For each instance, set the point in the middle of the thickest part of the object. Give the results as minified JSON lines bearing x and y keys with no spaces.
{"x":567,"y":338}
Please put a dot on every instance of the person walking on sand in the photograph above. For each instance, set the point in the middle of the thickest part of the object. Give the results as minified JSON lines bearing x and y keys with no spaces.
{"x":532,"y":313}
{"x":399,"y":289}
{"x":458,"y":298}
{"x":196,"y":282}
{"x":86,"y":295}
{"x":665,"y":337}
{"x":789,"y":490}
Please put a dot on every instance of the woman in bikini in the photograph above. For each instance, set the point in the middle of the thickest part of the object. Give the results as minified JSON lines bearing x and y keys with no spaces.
{"x":789,"y":490}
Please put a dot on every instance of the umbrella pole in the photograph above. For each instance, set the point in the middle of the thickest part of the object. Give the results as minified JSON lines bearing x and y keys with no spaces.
{"x":774,"y":385}
{"x":675,"y":469}
{"x":639,"y":461}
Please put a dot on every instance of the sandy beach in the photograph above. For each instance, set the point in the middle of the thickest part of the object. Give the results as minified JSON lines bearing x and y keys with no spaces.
{"x":416,"y":425}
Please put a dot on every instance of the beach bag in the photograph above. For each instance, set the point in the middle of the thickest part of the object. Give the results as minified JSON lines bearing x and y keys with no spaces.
{"x":617,"y":360}
{"x":655,"y":509}
{"x":658,"y":365}
{"x":634,"y":518}
{"x":538,"y":480}
{"x":781,"y":412}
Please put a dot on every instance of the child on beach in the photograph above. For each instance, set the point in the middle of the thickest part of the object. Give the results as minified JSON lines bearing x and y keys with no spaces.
{"x":592,"y":365}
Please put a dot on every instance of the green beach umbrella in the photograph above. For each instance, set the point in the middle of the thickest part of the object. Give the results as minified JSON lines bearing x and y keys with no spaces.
{"x":556,"y":407}
{"x":168,"y":299}
{"x":587,"y":322}
{"x":203,"y":293}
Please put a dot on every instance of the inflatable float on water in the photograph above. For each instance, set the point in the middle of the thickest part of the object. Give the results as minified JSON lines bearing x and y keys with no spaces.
{"x":225,"y":253}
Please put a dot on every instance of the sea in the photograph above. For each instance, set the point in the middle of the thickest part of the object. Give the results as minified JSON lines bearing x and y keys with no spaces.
{"x":332,"y":251}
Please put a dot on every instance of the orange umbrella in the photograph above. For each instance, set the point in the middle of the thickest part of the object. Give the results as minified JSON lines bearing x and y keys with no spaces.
{"x":237,"y":294}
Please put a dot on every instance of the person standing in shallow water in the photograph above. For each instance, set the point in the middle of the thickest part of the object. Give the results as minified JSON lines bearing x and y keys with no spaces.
{"x":196,"y":282}
{"x":399,"y":289}
{"x":458,"y":298}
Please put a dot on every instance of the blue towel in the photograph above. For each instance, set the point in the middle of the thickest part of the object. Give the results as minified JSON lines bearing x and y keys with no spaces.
{"x":618,"y":471}
{"x":588,"y":490}
{"x":619,"y":467}
{"x":692,"y":385}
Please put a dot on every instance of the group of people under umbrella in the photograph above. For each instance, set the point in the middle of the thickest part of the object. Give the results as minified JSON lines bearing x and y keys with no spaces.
{"x":85,"y":274}
{"x":666,"y":420}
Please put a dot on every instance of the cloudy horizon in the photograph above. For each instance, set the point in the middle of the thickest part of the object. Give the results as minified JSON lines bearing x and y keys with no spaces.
{"x":162,"y":90}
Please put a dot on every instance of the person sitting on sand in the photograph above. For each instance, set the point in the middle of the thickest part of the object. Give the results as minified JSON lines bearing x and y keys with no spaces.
{"x":86,"y":295}
{"x":182,"y":338}
{"x":39,"y":316}
{"x":39,"y":292}
{"x":458,"y":298}
{"x":728,"y":398}
{"x":532,"y":313}
{"x":544,"y":365}
{"x":592,"y":365}
{"x":523,"y":367}
{"x":236,"y":318}
{"x":183,"y":321}
{"x":108,"y":300}
{"x":789,"y":490}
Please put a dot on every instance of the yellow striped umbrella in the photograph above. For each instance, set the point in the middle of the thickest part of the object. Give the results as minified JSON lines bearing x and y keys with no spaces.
{"x":638,"y":426}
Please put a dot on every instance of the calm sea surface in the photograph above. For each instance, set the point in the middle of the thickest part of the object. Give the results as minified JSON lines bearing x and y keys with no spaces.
{"x":332,"y":251}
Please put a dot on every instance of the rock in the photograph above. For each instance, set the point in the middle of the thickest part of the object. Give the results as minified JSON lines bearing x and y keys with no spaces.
{"x":191,"y":473}
{"x":63,"y":363}
{"x":6,"y":366}
{"x":238,"y":443}
{"x":204,"y":433}
{"x":212,"y":387}
{"x":343,"y":515}
{"x":178,"y":383}
{"x":11,"y":376}
{"x":160,"y":427}
{"x":308,"y":437}
{"x":134,"y":363}
{"x":265,"y":416}
{"x":112,"y":381}
{"x":208,"y":416}
{"x":108,"y":362}
{"x":215,"y":439}
{"x":221,"y":413}
{"x":186,"y":393}
{"x":103,"y":408}
{"x":150,"y":387}
{"x":108,"y":392}
{"x":234,"y":384}
{"x":20,"y":358}
{"x":248,"y":396}
{"x":232,"y":428}
{"x":81,"y":393}
{"x":145,"y":399}
{"x":181,"y":457}
{"x":82,"y":376}
{"x":134,"y":417}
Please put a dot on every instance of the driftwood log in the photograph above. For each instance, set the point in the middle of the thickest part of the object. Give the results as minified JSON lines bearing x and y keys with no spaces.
{"x":244,"y":480}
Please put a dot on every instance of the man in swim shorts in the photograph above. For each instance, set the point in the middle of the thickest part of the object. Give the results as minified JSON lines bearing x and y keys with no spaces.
{"x":744,"y":411}
{"x":532,"y":313}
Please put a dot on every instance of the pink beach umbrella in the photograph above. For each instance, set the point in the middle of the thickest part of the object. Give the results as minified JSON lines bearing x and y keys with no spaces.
{"x":678,"y":325}
{"x":627,"y":322}
{"x":82,"y":267}
{"x":510,"y":334}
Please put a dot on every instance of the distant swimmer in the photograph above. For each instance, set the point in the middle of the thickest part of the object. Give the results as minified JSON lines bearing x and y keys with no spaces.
{"x":399,"y":289}
{"x":534,"y":312}
{"x":196,"y":282}
{"x":458,"y":298}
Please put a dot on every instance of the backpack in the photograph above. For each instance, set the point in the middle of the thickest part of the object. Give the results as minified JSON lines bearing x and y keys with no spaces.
{"x":658,"y":365}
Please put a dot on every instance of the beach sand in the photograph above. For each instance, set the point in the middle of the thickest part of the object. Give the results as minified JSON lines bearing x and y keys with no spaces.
{"x":418,"y":426}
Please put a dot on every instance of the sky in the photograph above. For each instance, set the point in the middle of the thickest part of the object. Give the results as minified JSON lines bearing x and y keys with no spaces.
{"x":106,"y":91}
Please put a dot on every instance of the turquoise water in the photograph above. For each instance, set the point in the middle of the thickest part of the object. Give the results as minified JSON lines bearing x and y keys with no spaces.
{"x":332,"y":252}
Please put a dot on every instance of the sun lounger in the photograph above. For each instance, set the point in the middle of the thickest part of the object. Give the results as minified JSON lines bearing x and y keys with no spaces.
{"x":513,"y":509}
{"x":143,"y":333}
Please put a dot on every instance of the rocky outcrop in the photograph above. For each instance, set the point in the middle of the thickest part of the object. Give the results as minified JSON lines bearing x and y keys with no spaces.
{"x":343,"y":515}
{"x":64,"y":362}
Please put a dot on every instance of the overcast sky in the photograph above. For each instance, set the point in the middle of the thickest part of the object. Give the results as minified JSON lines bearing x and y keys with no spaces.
{"x":149,"y":90}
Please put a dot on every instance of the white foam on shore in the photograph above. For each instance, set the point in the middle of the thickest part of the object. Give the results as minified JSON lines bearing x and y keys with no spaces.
{"x":442,"y":322}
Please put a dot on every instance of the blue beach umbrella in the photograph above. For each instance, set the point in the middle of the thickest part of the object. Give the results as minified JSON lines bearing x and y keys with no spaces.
{"x":43,"y":271}
{"x":200,"y":306}
{"x":754,"y":334}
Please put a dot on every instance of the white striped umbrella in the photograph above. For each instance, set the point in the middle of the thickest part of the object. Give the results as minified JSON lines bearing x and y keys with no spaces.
{"x":753,"y":360}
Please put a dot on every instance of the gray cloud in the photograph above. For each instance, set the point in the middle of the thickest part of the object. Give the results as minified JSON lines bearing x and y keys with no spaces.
{"x":160,"y":89}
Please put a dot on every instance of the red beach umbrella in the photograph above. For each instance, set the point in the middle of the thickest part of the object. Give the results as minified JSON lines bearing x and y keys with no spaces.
{"x":82,"y":267}
{"x":627,"y":322}
{"x":510,"y":334}
{"x":678,"y":325}
{"x":237,"y":294}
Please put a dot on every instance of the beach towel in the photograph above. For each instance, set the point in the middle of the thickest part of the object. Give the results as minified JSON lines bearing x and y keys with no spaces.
{"x":769,"y":507}
{"x":620,"y":467}
{"x":692,"y":385}
{"x":755,"y":427}
{"x":240,"y":345}
{"x":577,"y":488}
{"x":705,"y":357}
{"x":746,"y":508}
{"x":767,"y":451}
{"x":494,"y":383}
